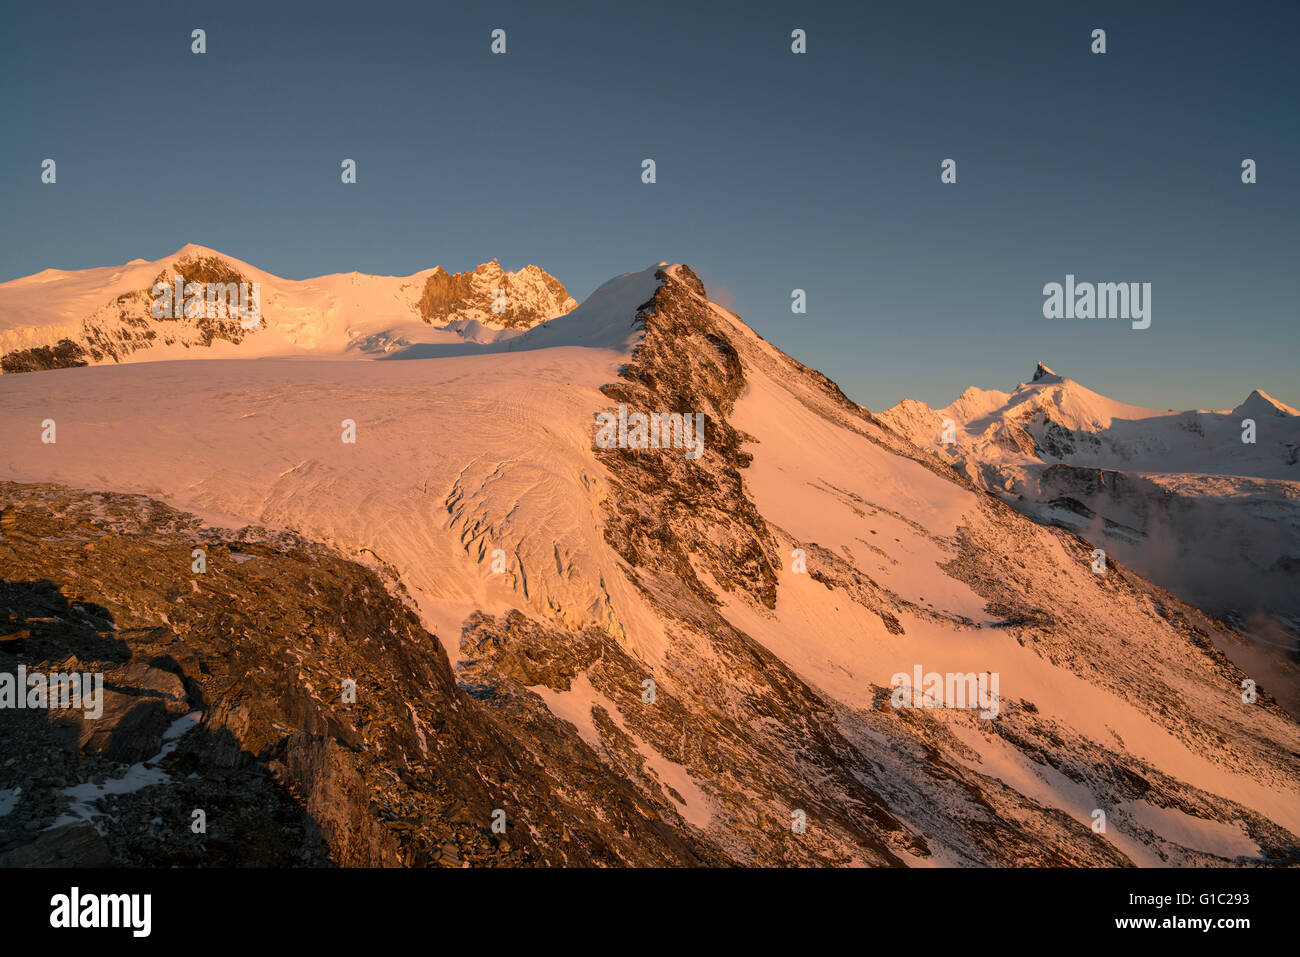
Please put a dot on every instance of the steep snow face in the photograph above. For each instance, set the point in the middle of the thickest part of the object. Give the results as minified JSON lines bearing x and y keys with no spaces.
{"x":106,"y":313}
{"x":811,"y":476}
{"x":769,"y":590}
{"x":1206,"y":503}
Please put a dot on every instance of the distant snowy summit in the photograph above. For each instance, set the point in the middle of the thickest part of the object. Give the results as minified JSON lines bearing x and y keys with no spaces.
{"x":1053,"y":419}
{"x":1261,"y":404}
{"x":1205,"y":503}
{"x":60,"y":318}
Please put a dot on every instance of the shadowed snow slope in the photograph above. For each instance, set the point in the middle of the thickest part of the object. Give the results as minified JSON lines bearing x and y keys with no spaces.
{"x":771,"y":588}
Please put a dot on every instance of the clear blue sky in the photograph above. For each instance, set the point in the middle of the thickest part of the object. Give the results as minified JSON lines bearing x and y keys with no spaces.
{"x":775,"y":171}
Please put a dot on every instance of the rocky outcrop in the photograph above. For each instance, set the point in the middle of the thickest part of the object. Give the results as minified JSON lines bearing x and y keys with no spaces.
{"x":65,"y":354}
{"x":489,"y":294}
{"x":287,"y":768}
{"x":676,"y":508}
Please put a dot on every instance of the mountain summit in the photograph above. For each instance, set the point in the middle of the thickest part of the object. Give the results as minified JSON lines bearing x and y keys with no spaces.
{"x":1260,"y":403}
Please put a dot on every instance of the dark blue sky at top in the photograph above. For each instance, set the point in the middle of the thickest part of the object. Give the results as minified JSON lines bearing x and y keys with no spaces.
{"x":775,"y":171}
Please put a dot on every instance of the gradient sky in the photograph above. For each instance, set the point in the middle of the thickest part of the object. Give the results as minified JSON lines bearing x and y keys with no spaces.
{"x":775,"y":171}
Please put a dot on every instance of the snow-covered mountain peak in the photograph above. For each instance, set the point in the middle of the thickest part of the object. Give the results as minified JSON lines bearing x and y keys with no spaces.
{"x":1260,"y":403}
{"x":607,"y":319}
{"x":194,"y":249}
{"x":1042,"y":372}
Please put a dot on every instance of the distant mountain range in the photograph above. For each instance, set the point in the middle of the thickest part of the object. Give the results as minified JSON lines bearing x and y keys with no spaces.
{"x":59,"y":318}
{"x":1181,"y":497}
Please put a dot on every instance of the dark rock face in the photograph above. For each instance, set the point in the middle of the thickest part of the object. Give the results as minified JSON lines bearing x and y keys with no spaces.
{"x":504,"y":661}
{"x":693,"y":722}
{"x":286,"y":770}
{"x":65,"y":354}
{"x":68,"y":845}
